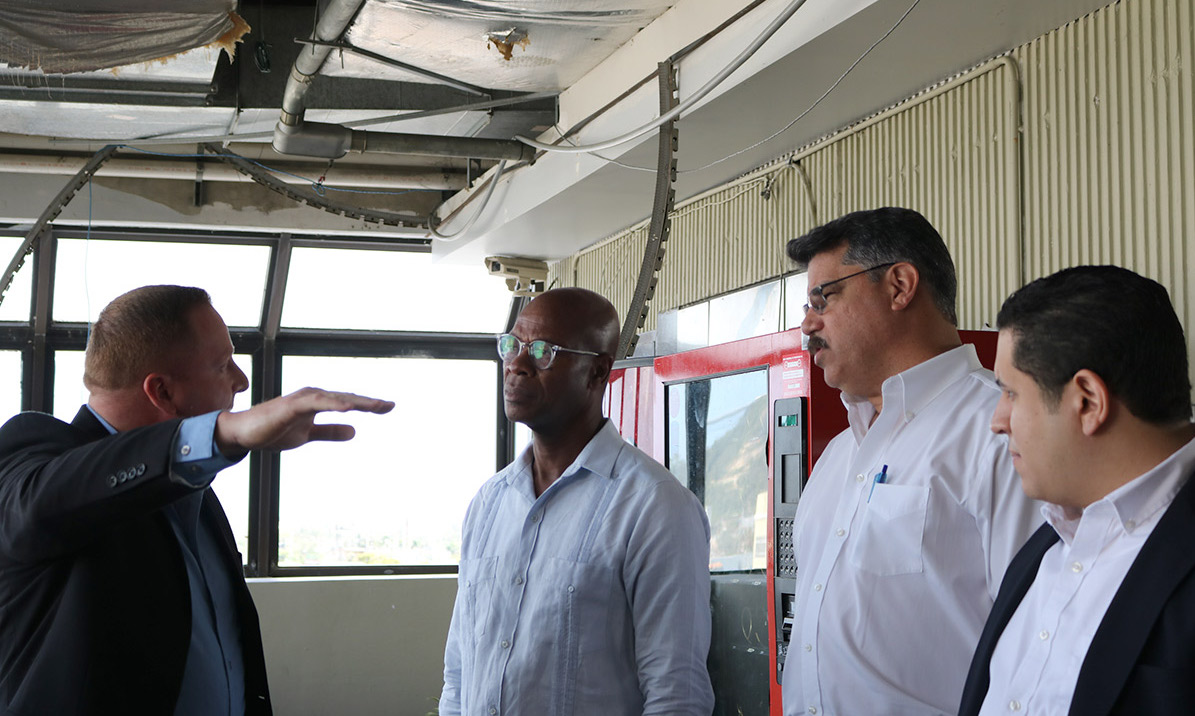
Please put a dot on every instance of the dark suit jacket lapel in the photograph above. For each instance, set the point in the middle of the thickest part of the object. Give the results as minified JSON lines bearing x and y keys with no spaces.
{"x":1164,"y":561}
{"x":88,"y":426}
{"x":1017,"y":579}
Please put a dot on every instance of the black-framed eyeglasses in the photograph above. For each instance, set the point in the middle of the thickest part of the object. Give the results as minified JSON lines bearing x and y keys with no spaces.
{"x":542,"y":353}
{"x":817,"y":294}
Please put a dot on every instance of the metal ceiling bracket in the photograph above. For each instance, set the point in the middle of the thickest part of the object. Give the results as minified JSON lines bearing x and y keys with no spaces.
{"x":268,"y":180}
{"x":657,"y":236}
{"x":51,"y":212}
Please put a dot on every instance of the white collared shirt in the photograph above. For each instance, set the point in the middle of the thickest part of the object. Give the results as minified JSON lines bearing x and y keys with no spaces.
{"x":591,"y":599}
{"x":1036,"y":663}
{"x":895,"y":580}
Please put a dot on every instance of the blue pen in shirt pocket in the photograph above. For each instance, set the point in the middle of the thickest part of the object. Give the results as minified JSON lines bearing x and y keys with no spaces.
{"x":881,"y":478}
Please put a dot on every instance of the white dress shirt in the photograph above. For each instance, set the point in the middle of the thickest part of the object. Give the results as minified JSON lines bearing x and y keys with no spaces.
{"x":895,"y":580}
{"x":1036,"y":663}
{"x":590,"y":600}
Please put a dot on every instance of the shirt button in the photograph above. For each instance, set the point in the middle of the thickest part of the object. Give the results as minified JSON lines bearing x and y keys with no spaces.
{"x":840,"y":532}
{"x":1077,"y":567}
{"x":505,"y":644}
{"x":858,"y":478}
{"x":1129,"y":524}
{"x":493,"y":711}
{"x":185,"y":450}
{"x":817,"y":587}
{"x":535,"y":517}
{"x":910,"y":416}
{"x":571,"y":589}
{"x":1043,"y":635}
{"x":809,"y":647}
{"x":1014,"y":705}
{"x":518,"y":580}
{"x":812,"y":709}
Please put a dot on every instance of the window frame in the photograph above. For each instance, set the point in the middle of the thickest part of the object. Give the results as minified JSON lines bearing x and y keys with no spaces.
{"x":267,"y":344}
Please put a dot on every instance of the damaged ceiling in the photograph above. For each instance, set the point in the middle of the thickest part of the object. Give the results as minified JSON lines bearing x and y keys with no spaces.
{"x":81,"y":74}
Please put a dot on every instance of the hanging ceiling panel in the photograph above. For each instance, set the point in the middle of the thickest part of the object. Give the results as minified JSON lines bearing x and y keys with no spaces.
{"x":530,"y":46}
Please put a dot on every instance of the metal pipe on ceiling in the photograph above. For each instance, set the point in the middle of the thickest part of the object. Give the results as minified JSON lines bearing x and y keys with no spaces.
{"x":295,"y":137}
{"x":378,"y":177}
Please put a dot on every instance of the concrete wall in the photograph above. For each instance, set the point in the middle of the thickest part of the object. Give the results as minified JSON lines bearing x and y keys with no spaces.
{"x":357,"y":645}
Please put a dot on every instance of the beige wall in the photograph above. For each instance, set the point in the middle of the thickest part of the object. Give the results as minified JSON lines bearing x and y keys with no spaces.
{"x":356,"y":645}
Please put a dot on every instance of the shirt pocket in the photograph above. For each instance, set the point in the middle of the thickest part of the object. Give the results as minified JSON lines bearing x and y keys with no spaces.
{"x":477,"y":582}
{"x":585,"y":593}
{"x":892,"y":530}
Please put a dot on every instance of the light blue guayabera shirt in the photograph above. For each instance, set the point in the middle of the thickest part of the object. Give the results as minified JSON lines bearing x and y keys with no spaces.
{"x":592,"y":599}
{"x":214,"y":677}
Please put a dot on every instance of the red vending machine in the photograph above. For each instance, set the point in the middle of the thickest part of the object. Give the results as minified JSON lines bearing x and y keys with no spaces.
{"x":741,"y":424}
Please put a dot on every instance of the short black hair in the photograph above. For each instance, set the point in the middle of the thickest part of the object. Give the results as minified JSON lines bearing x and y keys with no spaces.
{"x":1111,"y":321}
{"x":888,"y":235}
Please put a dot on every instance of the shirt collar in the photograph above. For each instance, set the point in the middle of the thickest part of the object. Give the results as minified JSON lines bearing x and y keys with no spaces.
{"x":105,"y":423}
{"x":1136,"y":501}
{"x":598,"y":456}
{"x":908,"y":392}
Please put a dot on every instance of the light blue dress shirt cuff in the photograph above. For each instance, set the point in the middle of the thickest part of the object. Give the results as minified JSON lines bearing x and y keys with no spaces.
{"x":194,"y":456}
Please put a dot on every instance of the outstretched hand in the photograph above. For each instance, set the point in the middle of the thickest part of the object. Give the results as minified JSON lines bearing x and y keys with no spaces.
{"x":289,"y":421}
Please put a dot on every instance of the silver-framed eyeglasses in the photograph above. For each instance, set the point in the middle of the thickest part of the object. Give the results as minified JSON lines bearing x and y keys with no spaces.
{"x":542,"y":353}
{"x":817,"y":294}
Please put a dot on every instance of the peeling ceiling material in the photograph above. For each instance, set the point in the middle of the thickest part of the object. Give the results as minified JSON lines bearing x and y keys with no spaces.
{"x":530,"y":46}
{"x":61,"y":36}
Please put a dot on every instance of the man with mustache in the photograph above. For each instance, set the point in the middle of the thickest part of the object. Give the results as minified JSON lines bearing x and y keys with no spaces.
{"x":584,"y":577}
{"x":911,"y":514}
{"x":121,"y":588}
{"x":1096,"y":614}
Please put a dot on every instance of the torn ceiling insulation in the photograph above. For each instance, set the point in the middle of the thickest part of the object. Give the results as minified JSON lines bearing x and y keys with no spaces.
{"x":64,"y":36}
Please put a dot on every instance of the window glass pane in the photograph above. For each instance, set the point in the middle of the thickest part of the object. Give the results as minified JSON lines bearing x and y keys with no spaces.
{"x":716,"y":442}
{"x":92,"y":273}
{"x":693,"y":327}
{"x":10,"y":384}
{"x":397,"y":493}
{"x":391,"y":290}
{"x":15,"y":306}
{"x":231,"y":485}
{"x":751,"y":312}
{"x":796,"y":295}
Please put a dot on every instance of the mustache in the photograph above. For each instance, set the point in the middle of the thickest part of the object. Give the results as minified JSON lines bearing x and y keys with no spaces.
{"x":816,"y":343}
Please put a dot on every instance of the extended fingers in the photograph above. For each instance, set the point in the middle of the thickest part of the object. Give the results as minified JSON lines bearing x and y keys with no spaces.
{"x":318,"y":400}
{"x":334,"y":433}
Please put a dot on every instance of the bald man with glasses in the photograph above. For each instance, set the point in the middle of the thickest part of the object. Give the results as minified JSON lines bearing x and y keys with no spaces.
{"x":584,"y":577}
{"x":911,"y":514}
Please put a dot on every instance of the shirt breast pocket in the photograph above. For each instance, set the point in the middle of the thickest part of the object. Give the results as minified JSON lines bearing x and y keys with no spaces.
{"x":477,"y":582}
{"x":892,"y":530}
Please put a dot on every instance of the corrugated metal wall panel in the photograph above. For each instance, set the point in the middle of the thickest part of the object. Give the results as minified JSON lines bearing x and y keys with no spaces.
{"x":952,"y":157}
{"x":1110,"y":144}
{"x":949,"y":154}
{"x":1102,"y":172}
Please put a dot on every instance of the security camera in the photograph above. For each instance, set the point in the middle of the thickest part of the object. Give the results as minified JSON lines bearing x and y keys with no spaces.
{"x":524,"y":277}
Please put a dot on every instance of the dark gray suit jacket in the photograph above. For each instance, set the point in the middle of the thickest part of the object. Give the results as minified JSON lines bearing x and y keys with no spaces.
{"x":1142,"y":658}
{"x":95,"y":608}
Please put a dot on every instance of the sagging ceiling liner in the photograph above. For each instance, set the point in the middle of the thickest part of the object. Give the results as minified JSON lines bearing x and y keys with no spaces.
{"x":529,"y":46}
{"x":62,"y":36}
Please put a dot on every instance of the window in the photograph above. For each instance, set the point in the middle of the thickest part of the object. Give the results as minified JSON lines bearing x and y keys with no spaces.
{"x":391,"y":290}
{"x":90,"y":273}
{"x":396,"y":493}
{"x":403,"y":327}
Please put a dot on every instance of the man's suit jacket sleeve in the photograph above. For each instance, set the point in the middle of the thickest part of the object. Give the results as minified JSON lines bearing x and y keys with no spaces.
{"x":60,"y":483}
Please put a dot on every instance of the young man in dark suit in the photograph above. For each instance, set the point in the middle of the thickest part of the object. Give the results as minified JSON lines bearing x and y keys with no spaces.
{"x":1096,"y":614}
{"x":121,"y":589}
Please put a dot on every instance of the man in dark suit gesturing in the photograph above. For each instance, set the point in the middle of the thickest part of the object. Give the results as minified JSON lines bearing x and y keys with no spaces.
{"x":1096,"y":614}
{"x":121,"y":589}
